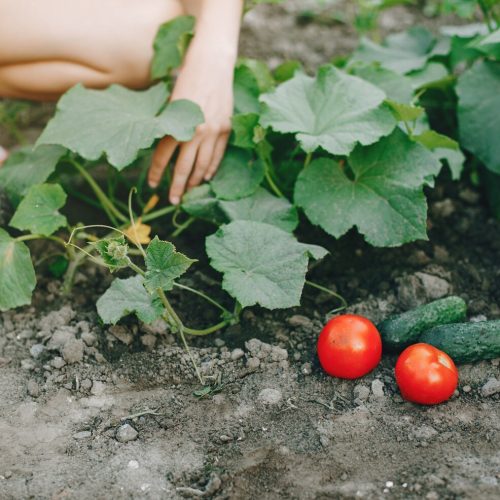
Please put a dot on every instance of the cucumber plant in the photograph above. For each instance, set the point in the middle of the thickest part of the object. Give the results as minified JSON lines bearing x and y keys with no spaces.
{"x":349,"y":148}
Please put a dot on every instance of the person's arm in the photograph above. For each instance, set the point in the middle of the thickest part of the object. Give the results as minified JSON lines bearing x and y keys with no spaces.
{"x":206,"y":77}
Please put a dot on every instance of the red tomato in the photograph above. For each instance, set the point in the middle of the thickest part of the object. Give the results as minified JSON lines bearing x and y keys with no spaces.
{"x":426,"y":375}
{"x":349,"y":346}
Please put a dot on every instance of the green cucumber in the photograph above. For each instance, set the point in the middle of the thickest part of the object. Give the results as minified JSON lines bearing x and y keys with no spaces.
{"x":466,"y":342}
{"x":400,"y":331}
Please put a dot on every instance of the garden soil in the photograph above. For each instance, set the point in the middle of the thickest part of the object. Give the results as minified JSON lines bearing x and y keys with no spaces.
{"x":90,"y":411}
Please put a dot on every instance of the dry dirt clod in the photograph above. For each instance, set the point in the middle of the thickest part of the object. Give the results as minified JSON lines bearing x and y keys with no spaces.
{"x":33,"y":388}
{"x":122,"y":333}
{"x":73,"y":351}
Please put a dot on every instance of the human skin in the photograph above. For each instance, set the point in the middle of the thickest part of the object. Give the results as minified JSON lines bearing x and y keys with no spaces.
{"x":48,"y":46}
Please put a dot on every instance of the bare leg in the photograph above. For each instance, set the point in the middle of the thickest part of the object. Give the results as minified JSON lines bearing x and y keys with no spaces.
{"x":48,"y":46}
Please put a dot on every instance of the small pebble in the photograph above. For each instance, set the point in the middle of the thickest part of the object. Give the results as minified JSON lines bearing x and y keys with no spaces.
{"x":36,"y":350}
{"x":33,"y":388}
{"x":225,"y":438}
{"x":378,"y":389}
{"x":148,"y":341}
{"x":297,"y":320}
{"x":466,"y":388}
{"x":133,"y":464}
{"x":219,"y":342}
{"x":89,"y":338}
{"x":253,"y":363}
{"x":82,"y":435}
{"x":269,"y":396}
{"x":86,"y":384}
{"x":126,"y":433}
{"x":237,"y":354}
{"x":58,"y":362}
{"x":491,"y":387}
{"x":306,"y":369}
{"x":361,"y":392}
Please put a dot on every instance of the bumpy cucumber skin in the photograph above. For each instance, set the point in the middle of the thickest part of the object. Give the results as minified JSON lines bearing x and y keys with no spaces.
{"x":398,"y":332}
{"x":466,"y":342}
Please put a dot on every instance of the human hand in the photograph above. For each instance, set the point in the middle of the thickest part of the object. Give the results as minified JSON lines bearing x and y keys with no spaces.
{"x":206,"y":78}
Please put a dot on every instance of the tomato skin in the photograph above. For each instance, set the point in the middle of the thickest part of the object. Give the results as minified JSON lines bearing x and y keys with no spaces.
{"x":349,"y":346}
{"x":426,"y":375}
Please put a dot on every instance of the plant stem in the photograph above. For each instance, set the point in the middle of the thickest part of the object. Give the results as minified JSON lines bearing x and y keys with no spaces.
{"x":158,"y":213}
{"x":265,"y":157}
{"x":182,"y":227}
{"x":203,"y":295}
{"x":28,"y":237}
{"x":206,"y":331}
{"x":308,"y":159}
{"x":330,"y":292}
{"x":136,"y":268}
{"x":138,"y":244}
{"x":69,"y":276}
{"x":108,"y":206}
{"x":486,"y":14}
{"x":273,"y":185}
{"x":171,"y":312}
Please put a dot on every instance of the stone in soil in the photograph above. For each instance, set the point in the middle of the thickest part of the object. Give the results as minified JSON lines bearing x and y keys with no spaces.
{"x":378,"y":389}
{"x":36,"y":350}
{"x":419,"y":288}
{"x":270,"y":396}
{"x":126,"y":433}
{"x":361,"y":392}
{"x":82,"y":435}
{"x":491,"y":387}
{"x":237,"y":354}
{"x":33,"y":388}
{"x":60,"y":338}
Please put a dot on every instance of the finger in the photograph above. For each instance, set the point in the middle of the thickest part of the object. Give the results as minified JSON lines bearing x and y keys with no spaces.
{"x":3,"y":155}
{"x":162,"y":155}
{"x":203,"y":161}
{"x":220,"y":149}
{"x":182,"y":170}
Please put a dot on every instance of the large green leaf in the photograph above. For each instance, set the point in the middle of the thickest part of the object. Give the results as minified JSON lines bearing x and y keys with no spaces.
{"x":246,"y":91}
{"x":333,"y":111}
{"x":127,"y":296}
{"x":118,"y":122}
{"x":262,"y":206}
{"x":200,"y":202}
{"x":431,"y":72}
{"x":244,"y":130}
{"x":26,"y":167}
{"x":261,"y":263}
{"x":164,"y":265}
{"x":239,"y":175}
{"x":17,"y":276}
{"x":260,"y":71}
{"x":478,"y":92}
{"x":170,"y":45}
{"x":444,"y":148}
{"x":382,"y":195}
{"x":400,"y":52}
{"x":397,"y":87}
{"x":38,"y":212}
